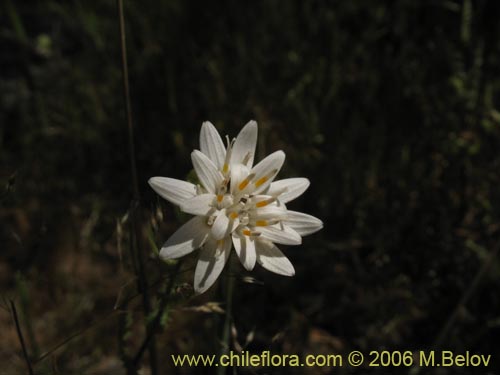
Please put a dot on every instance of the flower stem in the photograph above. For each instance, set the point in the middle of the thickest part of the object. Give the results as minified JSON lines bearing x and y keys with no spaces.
{"x":226,"y":333}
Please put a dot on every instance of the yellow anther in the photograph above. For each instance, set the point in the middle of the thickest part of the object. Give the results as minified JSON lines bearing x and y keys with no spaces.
{"x":220,"y":242}
{"x":219,"y":198}
{"x":246,"y":232}
{"x":261,"y":223}
{"x":260,"y":181}
{"x":243,"y":184}
{"x":233,"y":215}
{"x":262,"y":204}
{"x":225,"y":168}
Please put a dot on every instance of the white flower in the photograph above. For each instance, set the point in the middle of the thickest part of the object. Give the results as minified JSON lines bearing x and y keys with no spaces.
{"x":238,"y":205}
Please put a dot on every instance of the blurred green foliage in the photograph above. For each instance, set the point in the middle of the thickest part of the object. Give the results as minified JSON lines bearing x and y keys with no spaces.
{"x":390,"y":108}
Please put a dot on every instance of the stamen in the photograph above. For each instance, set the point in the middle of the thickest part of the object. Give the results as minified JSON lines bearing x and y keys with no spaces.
{"x":260,"y":181}
{"x":261,"y":204}
{"x":222,"y":190}
{"x":267,"y":223}
{"x":233,"y":215}
{"x":243,"y":184}
{"x":265,"y":202}
{"x":246,"y":159}
{"x":263,"y":180}
{"x":247,"y":232}
{"x":230,"y":143}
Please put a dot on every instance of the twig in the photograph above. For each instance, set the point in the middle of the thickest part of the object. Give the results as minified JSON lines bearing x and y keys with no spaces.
{"x":126,"y":94}
{"x":137,"y":255}
{"x":117,"y":309}
{"x":21,"y":338}
{"x":226,"y":333}
{"x":466,"y":296}
{"x":76,"y":334}
{"x":143,"y":287}
{"x":4,"y":305}
{"x":157,"y":319}
{"x":462,"y":303}
{"x":130,"y":368}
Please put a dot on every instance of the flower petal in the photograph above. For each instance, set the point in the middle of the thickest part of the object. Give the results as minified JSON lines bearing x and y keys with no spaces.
{"x":280,"y":234}
{"x":294,"y":187}
{"x":244,"y":146}
{"x":272,"y":259}
{"x":245,"y":248}
{"x":206,"y":171}
{"x":200,"y":205}
{"x":187,"y":238}
{"x":233,"y":224}
{"x":220,"y":226}
{"x":238,"y":173}
{"x":303,"y":224}
{"x":213,"y":257}
{"x":211,"y":144}
{"x":268,"y":213}
{"x":262,"y":174}
{"x":174,"y":191}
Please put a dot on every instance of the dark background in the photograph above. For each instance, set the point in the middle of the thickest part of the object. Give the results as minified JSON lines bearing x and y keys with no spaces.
{"x":390,"y":108}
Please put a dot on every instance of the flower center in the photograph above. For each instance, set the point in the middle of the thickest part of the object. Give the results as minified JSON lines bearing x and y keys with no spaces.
{"x":237,"y":199}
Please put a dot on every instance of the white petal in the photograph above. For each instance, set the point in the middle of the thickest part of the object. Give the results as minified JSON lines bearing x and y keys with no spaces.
{"x":220,"y":226}
{"x":245,"y":248}
{"x":280,"y":234}
{"x":174,"y":191}
{"x":186,"y":239}
{"x":268,"y":213}
{"x":238,"y":173}
{"x":200,"y":205}
{"x":233,"y":224}
{"x":304,"y":224}
{"x":213,"y":257}
{"x":265,"y":171}
{"x":244,"y":146}
{"x":211,"y":144}
{"x":206,"y":171}
{"x":294,"y":188}
{"x":272,"y":259}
